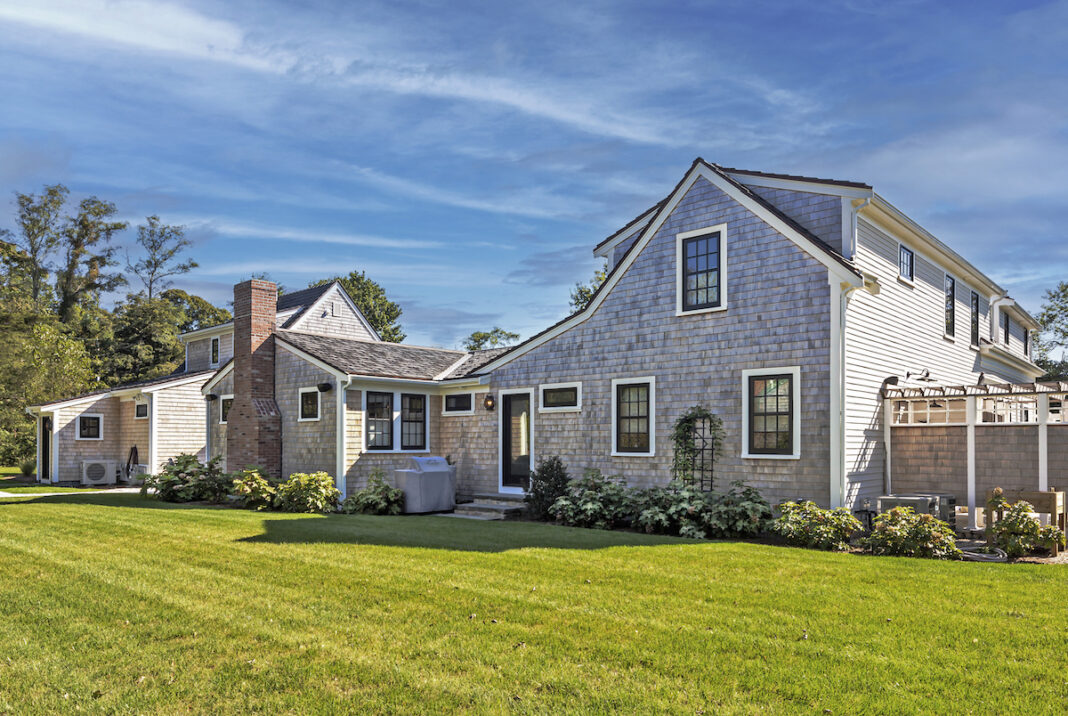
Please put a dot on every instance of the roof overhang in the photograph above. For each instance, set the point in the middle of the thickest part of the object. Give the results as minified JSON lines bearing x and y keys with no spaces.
{"x":812,"y":186}
{"x":1024,"y":318}
{"x":221,"y":329}
{"x":606,"y":247}
{"x":219,"y":375}
{"x":998,"y":353}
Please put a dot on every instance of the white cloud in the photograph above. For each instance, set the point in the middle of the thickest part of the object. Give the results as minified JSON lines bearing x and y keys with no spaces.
{"x":263,"y":231}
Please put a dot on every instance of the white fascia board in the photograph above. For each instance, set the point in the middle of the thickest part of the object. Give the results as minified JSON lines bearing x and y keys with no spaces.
{"x":998,"y":353}
{"x":219,"y":330}
{"x":375,"y":382}
{"x":452,"y":367}
{"x":281,"y":343}
{"x":811,"y":187}
{"x":69,"y":403}
{"x":472,"y":382}
{"x":172,"y":383}
{"x":1024,"y":318}
{"x":730,"y":190}
{"x":348,"y":300}
{"x":614,"y":240}
{"x":219,"y":375}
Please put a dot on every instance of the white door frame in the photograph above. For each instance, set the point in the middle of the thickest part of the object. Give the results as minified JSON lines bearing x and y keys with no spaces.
{"x":530,"y":393}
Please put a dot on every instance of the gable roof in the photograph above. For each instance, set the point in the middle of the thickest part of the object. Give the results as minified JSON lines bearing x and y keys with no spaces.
{"x":310,"y":303}
{"x":812,"y":244}
{"x":156,"y":383}
{"x":374,"y":358}
{"x":796,"y":177}
{"x":303,"y":298}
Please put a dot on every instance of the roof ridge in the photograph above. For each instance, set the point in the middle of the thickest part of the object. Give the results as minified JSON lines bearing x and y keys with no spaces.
{"x":797,"y":177}
{"x":364,"y":340}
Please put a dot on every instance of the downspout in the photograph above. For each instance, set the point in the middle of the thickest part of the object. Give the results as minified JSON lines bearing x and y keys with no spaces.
{"x":995,"y":323}
{"x":855,"y":227}
{"x":340,"y":446}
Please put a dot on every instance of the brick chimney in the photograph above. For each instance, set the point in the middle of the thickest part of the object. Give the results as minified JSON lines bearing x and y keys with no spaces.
{"x":254,"y":426}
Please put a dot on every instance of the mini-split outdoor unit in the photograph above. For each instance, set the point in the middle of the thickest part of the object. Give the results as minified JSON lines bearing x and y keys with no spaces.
{"x":941,"y":505}
{"x":99,"y":472}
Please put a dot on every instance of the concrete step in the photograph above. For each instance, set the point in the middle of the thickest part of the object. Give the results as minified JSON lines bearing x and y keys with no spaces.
{"x":482,"y":518}
{"x":498,"y":498}
{"x":489,"y":511}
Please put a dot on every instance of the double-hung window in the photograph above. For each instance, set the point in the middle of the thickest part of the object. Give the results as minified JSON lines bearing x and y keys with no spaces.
{"x":215,"y":351}
{"x":633,"y":416}
{"x":951,"y":306}
{"x":906,"y":260}
{"x":975,"y":318}
{"x":771,"y":413}
{"x":413,"y":422}
{"x":701,"y":281}
{"x":379,"y":421}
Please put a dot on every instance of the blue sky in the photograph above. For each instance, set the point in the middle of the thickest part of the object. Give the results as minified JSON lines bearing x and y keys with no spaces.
{"x":469,"y":156}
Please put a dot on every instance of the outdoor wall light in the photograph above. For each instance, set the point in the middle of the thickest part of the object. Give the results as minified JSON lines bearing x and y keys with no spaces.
{"x":212,"y":397}
{"x":325,"y":387}
{"x":489,"y":402}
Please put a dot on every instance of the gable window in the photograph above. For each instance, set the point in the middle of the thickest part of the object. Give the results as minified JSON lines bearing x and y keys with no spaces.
{"x":413,"y":422}
{"x":633,"y":416}
{"x":975,"y":318}
{"x":906,"y":263}
{"x":459,"y":404}
{"x":140,"y":411}
{"x":90,"y":427}
{"x":560,"y":398}
{"x":1005,"y":328}
{"x":310,"y":401}
{"x":700,"y":258}
{"x":225,"y":403}
{"x":771,"y":413}
{"x":379,"y":421}
{"x":215,"y":351}
{"x":951,"y":306}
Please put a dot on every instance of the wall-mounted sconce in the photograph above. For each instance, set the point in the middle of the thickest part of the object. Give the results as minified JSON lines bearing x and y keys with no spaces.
{"x":211,"y":397}
{"x":489,"y":403}
{"x":325,"y":387}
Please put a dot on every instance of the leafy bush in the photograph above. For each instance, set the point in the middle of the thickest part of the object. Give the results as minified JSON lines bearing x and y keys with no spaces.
{"x":741,"y":511}
{"x":1019,"y":533}
{"x":187,"y":479}
{"x":548,"y":482}
{"x":307,"y":493}
{"x":253,"y":489}
{"x":378,"y":498}
{"x":684,"y":510}
{"x":805,"y":524}
{"x":28,"y":467}
{"x":904,"y":533}
{"x":592,"y":501}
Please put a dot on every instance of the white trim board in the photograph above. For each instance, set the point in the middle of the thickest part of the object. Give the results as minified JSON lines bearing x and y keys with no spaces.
{"x":318,"y":405}
{"x":651,"y":380}
{"x":804,"y":185}
{"x":616,"y":239}
{"x":576,"y":408}
{"x":680,"y":240}
{"x":795,"y":373}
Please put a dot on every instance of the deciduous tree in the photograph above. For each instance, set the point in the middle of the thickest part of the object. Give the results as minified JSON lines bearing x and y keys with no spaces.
{"x":496,"y":338}
{"x":87,"y":255}
{"x":39,"y":224}
{"x":373,"y":303}
{"x":582,"y":293}
{"x":162,"y":243}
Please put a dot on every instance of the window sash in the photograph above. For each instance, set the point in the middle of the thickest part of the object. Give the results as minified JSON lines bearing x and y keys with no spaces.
{"x":951,"y":306}
{"x":1005,"y":327}
{"x":215,"y":351}
{"x":89,"y":427}
{"x":559,"y":397}
{"x":975,"y":318}
{"x":379,"y":421}
{"x":701,"y":285}
{"x":224,"y":409}
{"x":309,"y":401}
{"x":632,"y":417}
{"x":906,"y":263}
{"x":459,"y":403}
{"x":771,"y":414}
{"x":413,"y":421}
{"x":138,"y":410}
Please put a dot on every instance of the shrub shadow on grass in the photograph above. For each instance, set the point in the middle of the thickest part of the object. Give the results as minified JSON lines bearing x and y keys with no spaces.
{"x":446,"y":533}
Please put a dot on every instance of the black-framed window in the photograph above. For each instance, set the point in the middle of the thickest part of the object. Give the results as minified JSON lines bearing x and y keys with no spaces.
{"x":701,"y":272}
{"x":459,"y":403}
{"x":224,"y":409}
{"x":141,"y":410}
{"x":413,"y":422}
{"x":379,"y":421}
{"x":771,"y":415}
{"x":1005,"y":327}
{"x":214,"y":351}
{"x":89,"y":427}
{"x":951,"y":305}
{"x":975,"y":318}
{"x":906,"y":263}
{"x":632,"y":417}
{"x":1027,"y":343}
{"x":309,"y":404}
{"x":560,"y":397}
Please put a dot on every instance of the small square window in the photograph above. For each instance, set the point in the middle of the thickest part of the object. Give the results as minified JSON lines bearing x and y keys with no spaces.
{"x":906,"y":263}
{"x":89,"y":427}
{"x":141,"y":410}
{"x":459,"y":403}
{"x":309,"y":404}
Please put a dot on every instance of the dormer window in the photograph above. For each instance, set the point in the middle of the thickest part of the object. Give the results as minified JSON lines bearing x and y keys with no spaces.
{"x":701,"y":279}
{"x":215,"y":351}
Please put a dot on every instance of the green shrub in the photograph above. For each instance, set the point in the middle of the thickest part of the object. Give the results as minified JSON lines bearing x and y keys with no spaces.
{"x":186,"y":479}
{"x":1020,"y":534}
{"x":253,"y":488}
{"x":685,"y":510}
{"x":592,"y":501}
{"x":548,"y":482}
{"x":904,"y":533}
{"x":378,"y":498}
{"x":307,"y":493}
{"x":741,"y":511}
{"x":805,"y":524}
{"x":28,"y":467}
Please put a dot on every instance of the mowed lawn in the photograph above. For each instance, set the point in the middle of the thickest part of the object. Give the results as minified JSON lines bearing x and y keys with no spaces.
{"x":113,"y":603}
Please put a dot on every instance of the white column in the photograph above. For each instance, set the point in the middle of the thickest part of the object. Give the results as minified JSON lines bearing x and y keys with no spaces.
{"x":37,"y":469}
{"x":837,"y":423}
{"x":153,"y":430}
{"x":341,"y":396}
{"x":972,"y":418}
{"x":1043,"y":442}
{"x":888,"y":423}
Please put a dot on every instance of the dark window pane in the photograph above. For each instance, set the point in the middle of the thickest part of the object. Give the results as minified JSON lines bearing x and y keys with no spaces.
{"x":771,"y":415}
{"x":214,"y":350}
{"x":141,"y":410}
{"x":951,"y":306}
{"x":309,"y":405}
{"x":632,"y":417}
{"x":975,"y":319}
{"x":413,"y":422}
{"x":458,"y":403}
{"x":701,"y":271}
{"x":89,"y":426}
{"x":379,"y":421}
{"x":906,"y":263}
{"x":224,"y":407}
{"x":559,"y":397}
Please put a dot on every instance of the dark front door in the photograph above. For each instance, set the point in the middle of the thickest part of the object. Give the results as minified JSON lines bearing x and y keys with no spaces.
{"x":515,"y":439}
{"x":45,"y":468}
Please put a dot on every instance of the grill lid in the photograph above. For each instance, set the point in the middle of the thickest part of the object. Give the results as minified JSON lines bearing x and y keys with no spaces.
{"x":428,"y":464}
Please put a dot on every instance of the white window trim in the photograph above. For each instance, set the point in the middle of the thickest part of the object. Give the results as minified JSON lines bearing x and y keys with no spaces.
{"x":458,"y":412}
{"x":905,"y":279}
{"x":679,"y":239}
{"x":318,"y":405}
{"x":141,"y":417}
{"x":795,"y":399}
{"x":395,"y":433}
{"x":215,"y":341}
{"x":651,"y":380}
{"x":78,"y":426}
{"x":577,"y":408}
{"x":228,"y":396}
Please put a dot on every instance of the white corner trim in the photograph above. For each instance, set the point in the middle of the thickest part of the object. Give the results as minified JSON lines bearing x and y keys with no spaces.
{"x":153,"y":434}
{"x":78,"y":426}
{"x":680,"y":239}
{"x":447,"y":413}
{"x":577,"y":408}
{"x":318,"y":405}
{"x":341,"y":443}
{"x":795,"y":372}
{"x":651,"y":380}
{"x":228,"y":396}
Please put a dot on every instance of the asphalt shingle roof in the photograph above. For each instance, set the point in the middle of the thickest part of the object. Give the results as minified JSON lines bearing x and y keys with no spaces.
{"x":374,"y":358}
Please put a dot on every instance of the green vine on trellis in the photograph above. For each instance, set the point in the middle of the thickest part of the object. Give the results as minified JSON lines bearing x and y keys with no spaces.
{"x":683,"y":437}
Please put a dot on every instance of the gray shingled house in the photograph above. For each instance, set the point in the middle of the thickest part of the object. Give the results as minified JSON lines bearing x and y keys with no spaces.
{"x":784,"y":304}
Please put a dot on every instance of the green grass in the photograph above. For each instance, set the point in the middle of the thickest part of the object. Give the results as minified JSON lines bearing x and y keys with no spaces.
{"x":38,"y":489}
{"x":13,"y":474}
{"x":121,"y":605}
